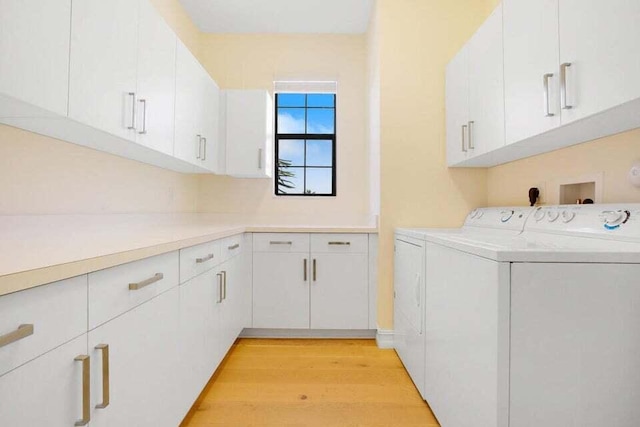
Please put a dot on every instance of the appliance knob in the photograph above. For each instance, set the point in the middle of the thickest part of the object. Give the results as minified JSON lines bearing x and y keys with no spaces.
{"x":552,"y":215}
{"x":567,"y":216}
{"x":506,"y":215}
{"x":479,"y":213}
{"x":539,"y":215}
{"x":613,"y":217}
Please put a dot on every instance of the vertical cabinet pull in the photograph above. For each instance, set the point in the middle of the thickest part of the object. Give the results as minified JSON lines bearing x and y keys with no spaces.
{"x":144,"y":116}
{"x":315,"y":272}
{"x":224,"y":285}
{"x":464,"y":132}
{"x":471,"y":146}
{"x":204,"y":149}
{"x":259,"y":158}
{"x":199,"y":146}
{"x":23,"y":331}
{"x":104,"y":348}
{"x":86,"y":390}
{"x":133,"y":111}
{"x":563,"y":86}
{"x":219,"y":276}
{"x":546,"y":96}
{"x":304,"y":269}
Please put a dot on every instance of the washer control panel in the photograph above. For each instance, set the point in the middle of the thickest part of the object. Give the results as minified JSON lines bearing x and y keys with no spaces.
{"x":507,"y":218}
{"x":610,"y":219}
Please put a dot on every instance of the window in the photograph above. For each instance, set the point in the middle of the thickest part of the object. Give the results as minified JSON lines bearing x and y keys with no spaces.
{"x":305,"y":144}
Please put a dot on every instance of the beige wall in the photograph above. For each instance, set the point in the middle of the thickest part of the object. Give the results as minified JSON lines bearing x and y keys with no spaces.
{"x":41,"y":175}
{"x":417,"y":39}
{"x":373,"y":113}
{"x":610,"y":158}
{"x":255,"y":62}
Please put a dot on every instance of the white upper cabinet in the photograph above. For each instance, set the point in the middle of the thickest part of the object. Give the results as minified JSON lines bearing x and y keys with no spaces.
{"x":486,"y":86}
{"x":196,"y":118}
{"x":457,"y":105}
{"x":249,"y":133}
{"x":34,"y":57}
{"x":102,"y":91}
{"x":601,"y":42}
{"x":531,"y":68}
{"x":156,"y":80}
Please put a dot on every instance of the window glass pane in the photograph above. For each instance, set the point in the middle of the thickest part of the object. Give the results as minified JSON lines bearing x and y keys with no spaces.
{"x":291,"y":99}
{"x":290,"y":180}
{"x":320,"y":100}
{"x":319,"y":181}
{"x":319,"y":152}
{"x":291,"y":120}
{"x":291,"y":152}
{"x":320,"y":121}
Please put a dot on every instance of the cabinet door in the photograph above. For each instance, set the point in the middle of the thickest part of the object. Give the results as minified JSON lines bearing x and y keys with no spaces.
{"x":531,"y":79}
{"x":211,"y":111}
{"x":339,"y":291}
{"x":103,"y":65}
{"x":156,"y":80}
{"x":249,"y":137}
{"x":457,"y":106}
{"x":486,"y":86}
{"x":143,"y":361}
{"x":280,"y":290}
{"x":34,"y":53}
{"x":46,"y":391}
{"x":189,"y":106}
{"x":600,"y":41}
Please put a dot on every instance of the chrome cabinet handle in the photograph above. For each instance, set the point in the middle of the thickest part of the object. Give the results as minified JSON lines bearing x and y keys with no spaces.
{"x":144,"y":116}
{"x":219,"y":276}
{"x":471,"y":146}
{"x":137,"y":286}
{"x":23,"y":331}
{"x":545,"y":94}
{"x":204,"y":259}
{"x":204,"y":150}
{"x":232,"y":247}
{"x":464,"y":132}
{"x":315,"y":273}
{"x":259,"y":158}
{"x":304,"y":269}
{"x":563,"y":86}
{"x":224,"y":285}
{"x":274,"y":242}
{"x":104,"y":348}
{"x":86,"y":390}
{"x":133,"y":111}
{"x":199,"y":146}
{"x":340,"y":243}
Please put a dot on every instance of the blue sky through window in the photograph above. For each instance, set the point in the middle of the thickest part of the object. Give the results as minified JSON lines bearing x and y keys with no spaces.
{"x":306,"y":163}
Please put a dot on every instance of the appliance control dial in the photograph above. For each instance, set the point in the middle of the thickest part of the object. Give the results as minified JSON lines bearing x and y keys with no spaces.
{"x":613,"y":219}
{"x":539,"y":215}
{"x":567,"y":216}
{"x":479,"y":213}
{"x":552,"y":215}
{"x":506,"y":215}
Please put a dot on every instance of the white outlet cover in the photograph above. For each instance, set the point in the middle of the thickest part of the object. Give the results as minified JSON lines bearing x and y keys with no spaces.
{"x":634,"y":174}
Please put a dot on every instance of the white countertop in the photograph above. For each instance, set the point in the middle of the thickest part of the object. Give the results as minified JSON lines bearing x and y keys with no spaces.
{"x":41,"y":249}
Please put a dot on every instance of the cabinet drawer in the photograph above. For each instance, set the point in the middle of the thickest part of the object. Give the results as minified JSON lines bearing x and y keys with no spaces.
{"x":57,"y":312}
{"x":113,"y":292}
{"x":340,"y":243}
{"x":232,"y":246}
{"x":280,"y":242}
{"x":198,"y":259}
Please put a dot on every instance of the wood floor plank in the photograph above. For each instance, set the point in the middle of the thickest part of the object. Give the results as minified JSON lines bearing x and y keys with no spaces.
{"x":310,"y":383}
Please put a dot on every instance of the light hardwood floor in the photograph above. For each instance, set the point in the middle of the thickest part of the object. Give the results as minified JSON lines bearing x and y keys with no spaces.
{"x":326,"y":383}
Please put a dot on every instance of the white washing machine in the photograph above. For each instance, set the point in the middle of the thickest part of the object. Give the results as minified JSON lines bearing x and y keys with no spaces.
{"x":409,"y":278}
{"x":541,"y":328}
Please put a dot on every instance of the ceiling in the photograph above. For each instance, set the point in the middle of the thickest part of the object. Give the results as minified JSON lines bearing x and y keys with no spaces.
{"x":280,"y":16}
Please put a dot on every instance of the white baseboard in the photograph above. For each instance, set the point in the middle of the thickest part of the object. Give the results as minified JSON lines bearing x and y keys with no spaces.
{"x":384,"y":338}
{"x":308,"y":333}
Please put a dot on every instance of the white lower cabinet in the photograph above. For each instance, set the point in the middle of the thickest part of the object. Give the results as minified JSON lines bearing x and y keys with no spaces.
{"x":46,"y":391}
{"x":142,"y":359}
{"x":317,"y":281}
